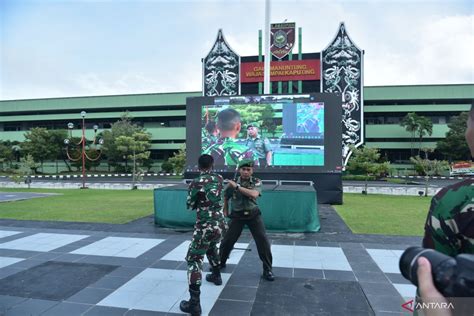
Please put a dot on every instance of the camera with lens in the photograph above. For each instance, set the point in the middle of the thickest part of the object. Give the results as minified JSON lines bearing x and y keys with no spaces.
{"x":453,"y":277}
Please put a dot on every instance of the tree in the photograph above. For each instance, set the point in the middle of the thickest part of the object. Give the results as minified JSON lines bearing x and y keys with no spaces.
{"x":425,"y":126}
{"x":135,"y":148}
{"x":28,"y":165}
{"x":367,"y":160}
{"x":123,"y":127}
{"x":167,"y":166}
{"x":268,"y":122}
{"x":40,"y":145}
{"x":410,"y":122}
{"x":426,"y":167}
{"x":454,"y":146}
{"x":6,"y":153}
{"x":178,"y":161}
{"x":57,"y":138}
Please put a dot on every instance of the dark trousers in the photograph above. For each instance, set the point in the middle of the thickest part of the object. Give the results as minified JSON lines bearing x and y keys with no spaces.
{"x":257,"y":229}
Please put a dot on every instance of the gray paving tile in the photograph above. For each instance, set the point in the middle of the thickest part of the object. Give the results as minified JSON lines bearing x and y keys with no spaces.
{"x":69,"y":257}
{"x":66,"y":308}
{"x":397,"y":278}
{"x":137,"y":312}
{"x":339,"y":275}
{"x":371,"y":277}
{"x":308,"y":273}
{"x":109,"y":282}
{"x":126,"y":272}
{"x":283,"y":272}
{"x":166,"y":264}
{"x":328,"y":244}
{"x":385,"y":303}
{"x":239,"y":293}
{"x":7,"y":302}
{"x":90,"y":295}
{"x":31,"y":307}
{"x":46,"y":256}
{"x":231,"y":308}
{"x":105,"y":311}
{"x":378,"y":288}
{"x":7,"y":271}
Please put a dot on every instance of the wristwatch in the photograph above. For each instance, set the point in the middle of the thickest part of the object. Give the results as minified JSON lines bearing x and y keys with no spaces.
{"x":237,"y":187}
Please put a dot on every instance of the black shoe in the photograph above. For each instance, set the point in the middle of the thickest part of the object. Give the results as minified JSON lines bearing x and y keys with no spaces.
{"x":268,"y":275}
{"x":193,"y":306}
{"x":215,"y":276}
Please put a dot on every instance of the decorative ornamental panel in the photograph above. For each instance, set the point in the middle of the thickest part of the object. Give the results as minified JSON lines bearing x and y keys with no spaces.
{"x":342,"y":65}
{"x":221,"y":70}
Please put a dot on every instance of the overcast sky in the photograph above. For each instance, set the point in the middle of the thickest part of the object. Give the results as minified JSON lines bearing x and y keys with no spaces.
{"x":52,"y":48}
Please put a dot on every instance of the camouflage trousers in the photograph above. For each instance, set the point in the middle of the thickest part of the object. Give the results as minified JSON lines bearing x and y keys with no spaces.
{"x":204,"y":242}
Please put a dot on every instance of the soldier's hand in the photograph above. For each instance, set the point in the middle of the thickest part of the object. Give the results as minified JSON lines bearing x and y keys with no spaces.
{"x":232,"y":184}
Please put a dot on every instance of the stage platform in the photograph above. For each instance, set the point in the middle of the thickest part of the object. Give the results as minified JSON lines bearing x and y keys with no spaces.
{"x":285,"y":208}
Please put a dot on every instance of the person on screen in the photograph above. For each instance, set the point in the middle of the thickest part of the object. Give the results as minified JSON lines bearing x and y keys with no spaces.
{"x":210,"y":135}
{"x":260,"y":146}
{"x":226,"y":151}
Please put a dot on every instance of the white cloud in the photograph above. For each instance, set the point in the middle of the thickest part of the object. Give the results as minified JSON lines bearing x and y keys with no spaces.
{"x":158,"y":46}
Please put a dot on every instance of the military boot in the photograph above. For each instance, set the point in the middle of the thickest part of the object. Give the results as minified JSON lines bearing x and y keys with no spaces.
{"x":193,"y":306}
{"x":215,"y":276}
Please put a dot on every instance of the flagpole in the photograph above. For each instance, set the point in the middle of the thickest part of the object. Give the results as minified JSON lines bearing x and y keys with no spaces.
{"x":268,"y":57}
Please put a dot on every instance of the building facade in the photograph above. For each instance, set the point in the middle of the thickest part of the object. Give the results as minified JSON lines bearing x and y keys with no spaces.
{"x":164,"y":116}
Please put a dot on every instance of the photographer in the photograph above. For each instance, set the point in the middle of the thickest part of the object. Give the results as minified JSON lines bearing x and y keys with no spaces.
{"x":449,"y":226}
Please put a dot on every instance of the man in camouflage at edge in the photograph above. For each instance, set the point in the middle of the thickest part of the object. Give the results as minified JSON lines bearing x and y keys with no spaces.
{"x":205,"y":196}
{"x":449,"y":226}
{"x":226,"y":151}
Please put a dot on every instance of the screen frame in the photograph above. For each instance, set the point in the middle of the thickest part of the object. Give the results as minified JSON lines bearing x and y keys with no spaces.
{"x":332,"y":133}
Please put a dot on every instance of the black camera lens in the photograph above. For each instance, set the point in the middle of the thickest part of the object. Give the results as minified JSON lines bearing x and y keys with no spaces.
{"x":442,"y":266}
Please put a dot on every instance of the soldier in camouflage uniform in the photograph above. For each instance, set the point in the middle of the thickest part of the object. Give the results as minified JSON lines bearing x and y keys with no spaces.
{"x":226,"y":151}
{"x":204,"y":196}
{"x":209,"y":135}
{"x":260,"y":146}
{"x":449,"y":227}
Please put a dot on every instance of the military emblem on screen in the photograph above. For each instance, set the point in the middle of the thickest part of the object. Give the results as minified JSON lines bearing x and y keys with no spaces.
{"x":282,"y":39}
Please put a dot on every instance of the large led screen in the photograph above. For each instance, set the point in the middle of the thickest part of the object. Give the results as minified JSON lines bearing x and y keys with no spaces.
{"x":276,"y":132}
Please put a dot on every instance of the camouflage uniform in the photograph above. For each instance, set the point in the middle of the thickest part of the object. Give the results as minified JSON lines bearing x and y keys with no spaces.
{"x":227,"y":152}
{"x":260,"y":147}
{"x":449,"y":226}
{"x":207,"y":141}
{"x":205,"y":195}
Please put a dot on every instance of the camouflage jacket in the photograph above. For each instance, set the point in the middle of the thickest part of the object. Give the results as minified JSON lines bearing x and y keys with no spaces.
{"x":449,"y":226}
{"x":205,"y":195}
{"x":259,"y":146}
{"x":207,"y":140}
{"x":226,"y":151}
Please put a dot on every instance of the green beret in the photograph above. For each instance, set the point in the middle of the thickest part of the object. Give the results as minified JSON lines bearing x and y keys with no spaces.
{"x":253,"y":124}
{"x":246,"y":163}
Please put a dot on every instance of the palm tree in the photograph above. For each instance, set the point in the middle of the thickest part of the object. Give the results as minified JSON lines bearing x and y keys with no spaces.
{"x":425,"y":125}
{"x":410,"y":122}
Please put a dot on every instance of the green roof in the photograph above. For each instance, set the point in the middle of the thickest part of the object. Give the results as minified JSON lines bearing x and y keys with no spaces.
{"x":100,"y":102}
{"x":419,"y":92}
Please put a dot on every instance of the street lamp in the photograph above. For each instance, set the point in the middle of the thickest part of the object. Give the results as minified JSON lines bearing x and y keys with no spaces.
{"x":82,"y":145}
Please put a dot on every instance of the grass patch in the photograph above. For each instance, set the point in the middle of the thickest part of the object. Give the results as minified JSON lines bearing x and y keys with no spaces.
{"x":384,"y":214}
{"x":98,"y":206}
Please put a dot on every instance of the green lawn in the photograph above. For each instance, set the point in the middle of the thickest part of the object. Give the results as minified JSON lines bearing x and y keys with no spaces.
{"x":101,"y":206}
{"x":384,"y":214}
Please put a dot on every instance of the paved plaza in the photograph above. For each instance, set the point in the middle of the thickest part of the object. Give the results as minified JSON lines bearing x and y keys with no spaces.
{"x":57,"y":268}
